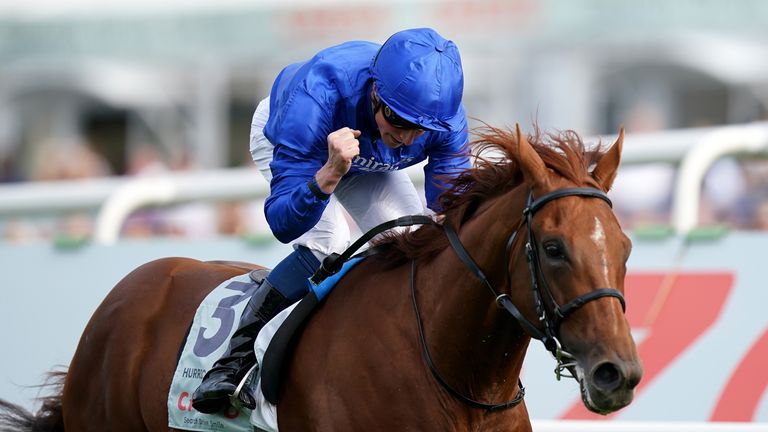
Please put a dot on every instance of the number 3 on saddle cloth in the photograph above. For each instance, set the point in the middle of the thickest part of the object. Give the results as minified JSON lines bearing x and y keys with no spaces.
{"x":208,"y":337}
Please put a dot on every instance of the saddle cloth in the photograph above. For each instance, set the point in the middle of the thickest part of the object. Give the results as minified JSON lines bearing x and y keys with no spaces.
{"x":215,"y":321}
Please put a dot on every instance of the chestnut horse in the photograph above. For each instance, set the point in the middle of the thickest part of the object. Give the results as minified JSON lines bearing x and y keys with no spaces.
{"x":428,"y":334}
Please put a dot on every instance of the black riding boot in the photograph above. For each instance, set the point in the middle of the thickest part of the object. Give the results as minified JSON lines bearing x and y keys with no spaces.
{"x":222,"y":379}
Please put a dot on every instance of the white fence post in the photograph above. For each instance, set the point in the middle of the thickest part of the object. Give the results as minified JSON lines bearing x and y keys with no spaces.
{"x":697,"y":161}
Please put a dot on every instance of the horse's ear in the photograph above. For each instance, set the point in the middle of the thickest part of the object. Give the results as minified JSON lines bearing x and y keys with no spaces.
{"x":533,"y":168}
{"x":605,"y":171}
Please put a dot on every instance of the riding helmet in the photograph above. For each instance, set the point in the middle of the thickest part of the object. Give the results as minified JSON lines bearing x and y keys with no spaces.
{"x":418,"y":74}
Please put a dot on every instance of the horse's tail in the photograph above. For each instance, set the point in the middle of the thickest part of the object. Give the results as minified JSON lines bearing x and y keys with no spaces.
{"x":49,"y":418}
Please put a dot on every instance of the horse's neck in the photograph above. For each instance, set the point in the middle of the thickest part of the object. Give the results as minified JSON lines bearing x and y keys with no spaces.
{"x":475,"y":344}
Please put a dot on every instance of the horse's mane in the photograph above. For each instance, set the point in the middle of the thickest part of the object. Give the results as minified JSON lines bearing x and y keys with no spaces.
{"x":496,"y":172}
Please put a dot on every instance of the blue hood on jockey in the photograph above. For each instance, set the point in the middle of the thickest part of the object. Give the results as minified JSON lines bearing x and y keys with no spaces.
{"x":418,"y":74}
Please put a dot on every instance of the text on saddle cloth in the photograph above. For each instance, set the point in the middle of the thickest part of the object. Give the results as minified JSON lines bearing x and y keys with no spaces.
{"x":214,"y":323}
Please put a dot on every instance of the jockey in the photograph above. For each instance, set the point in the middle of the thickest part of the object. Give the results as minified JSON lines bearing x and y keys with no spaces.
{"x":335,"y":132}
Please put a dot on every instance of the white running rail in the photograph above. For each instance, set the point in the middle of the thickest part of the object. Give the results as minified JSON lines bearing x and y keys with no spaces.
{"x":214,"y":185}
{"x":116,"y":198}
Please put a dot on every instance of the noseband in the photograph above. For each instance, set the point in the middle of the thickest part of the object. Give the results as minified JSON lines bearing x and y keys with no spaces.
{"x":549,"y":321}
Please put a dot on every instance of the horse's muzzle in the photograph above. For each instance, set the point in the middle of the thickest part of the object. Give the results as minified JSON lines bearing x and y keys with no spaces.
{"x":609,"y":385}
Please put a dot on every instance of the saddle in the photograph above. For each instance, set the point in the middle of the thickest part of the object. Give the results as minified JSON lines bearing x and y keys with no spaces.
{"x":281,"y":344}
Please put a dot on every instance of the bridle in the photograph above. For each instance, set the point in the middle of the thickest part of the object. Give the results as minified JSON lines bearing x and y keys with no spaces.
{"x":549,"y":320}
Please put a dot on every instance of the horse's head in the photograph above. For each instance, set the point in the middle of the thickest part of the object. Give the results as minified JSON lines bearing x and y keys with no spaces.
{"x":577,"y":264}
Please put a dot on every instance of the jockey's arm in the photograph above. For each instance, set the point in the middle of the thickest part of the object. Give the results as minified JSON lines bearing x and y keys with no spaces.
{"x":302,"y":183}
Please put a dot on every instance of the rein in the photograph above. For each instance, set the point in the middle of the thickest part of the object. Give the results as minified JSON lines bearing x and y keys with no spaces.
{"x":428,"y":358}
{"x":549,"y":337}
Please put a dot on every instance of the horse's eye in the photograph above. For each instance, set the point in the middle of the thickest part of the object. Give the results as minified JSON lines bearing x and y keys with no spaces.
{"x":554,"y":250}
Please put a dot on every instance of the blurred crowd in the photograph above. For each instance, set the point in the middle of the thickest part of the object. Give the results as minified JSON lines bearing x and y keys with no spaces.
{"x":133,"y":88}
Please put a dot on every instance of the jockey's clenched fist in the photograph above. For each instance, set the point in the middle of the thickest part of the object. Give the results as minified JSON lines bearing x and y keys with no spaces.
{"x":343,"y":146}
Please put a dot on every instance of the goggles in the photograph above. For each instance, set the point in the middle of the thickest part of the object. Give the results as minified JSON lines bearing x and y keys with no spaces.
{"x":390,"y":116}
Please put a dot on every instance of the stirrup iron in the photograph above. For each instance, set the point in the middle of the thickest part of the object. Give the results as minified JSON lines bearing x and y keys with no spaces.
{"x":244,"y":399}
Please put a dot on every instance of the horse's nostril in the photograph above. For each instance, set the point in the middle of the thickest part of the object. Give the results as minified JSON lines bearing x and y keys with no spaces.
{"x":607,"y":377}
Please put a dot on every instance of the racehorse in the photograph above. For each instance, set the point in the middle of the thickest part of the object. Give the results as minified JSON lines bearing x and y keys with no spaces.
{"x":429,"y":333}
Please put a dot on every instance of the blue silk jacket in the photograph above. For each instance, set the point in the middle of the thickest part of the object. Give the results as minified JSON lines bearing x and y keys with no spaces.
{"x":311,"y":99}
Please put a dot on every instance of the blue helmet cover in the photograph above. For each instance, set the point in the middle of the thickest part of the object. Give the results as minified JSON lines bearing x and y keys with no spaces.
{"x":418,"y":74}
